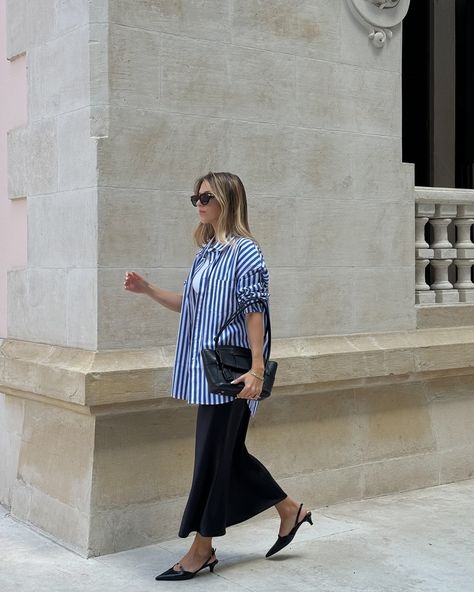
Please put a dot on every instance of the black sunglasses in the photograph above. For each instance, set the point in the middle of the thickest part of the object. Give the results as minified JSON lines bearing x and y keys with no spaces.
{"x":202,"y":197}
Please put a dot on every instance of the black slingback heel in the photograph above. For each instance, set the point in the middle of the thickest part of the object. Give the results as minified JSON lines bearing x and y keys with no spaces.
{"x":285,"y":540}
{"x":171,"y":574}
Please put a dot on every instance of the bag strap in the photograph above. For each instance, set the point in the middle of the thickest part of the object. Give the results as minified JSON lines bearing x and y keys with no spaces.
{"x":236,"y":314}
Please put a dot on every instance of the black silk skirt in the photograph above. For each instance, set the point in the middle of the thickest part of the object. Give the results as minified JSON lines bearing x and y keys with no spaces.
{"x":229,"y":485}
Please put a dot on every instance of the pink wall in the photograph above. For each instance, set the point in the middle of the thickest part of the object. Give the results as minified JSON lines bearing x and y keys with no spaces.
{"x":13,"y":113}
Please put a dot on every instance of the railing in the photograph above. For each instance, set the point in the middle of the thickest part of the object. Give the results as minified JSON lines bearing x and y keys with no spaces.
{"x":444,"y":248}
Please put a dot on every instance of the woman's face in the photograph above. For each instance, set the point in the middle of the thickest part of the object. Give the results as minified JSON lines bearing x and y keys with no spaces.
{"x":208,"y":214}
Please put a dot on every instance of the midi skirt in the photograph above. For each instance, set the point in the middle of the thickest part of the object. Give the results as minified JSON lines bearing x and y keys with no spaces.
{"x":229,"y":485}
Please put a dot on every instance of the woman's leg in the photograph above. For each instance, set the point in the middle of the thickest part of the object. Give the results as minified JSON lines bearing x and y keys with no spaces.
{"x":289,"y":511}
{"x":199,"y":552}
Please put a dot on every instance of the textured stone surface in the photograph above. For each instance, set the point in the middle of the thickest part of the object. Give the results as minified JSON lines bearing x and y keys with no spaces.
{"x":340,"y":96}
{"x":121,"y":212}
{"x":76,"y":151}
{"x":58,"y":74}
{"x":62,"y":230}
{"x":11,"y":421}
{"x":37,"y":305}
{"x":312,"y":30}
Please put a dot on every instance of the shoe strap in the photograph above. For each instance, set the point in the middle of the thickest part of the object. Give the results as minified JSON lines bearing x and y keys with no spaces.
{"x":296,"y":521}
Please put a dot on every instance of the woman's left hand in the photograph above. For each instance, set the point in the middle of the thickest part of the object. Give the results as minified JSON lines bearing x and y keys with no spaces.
{"x":252,"y":386}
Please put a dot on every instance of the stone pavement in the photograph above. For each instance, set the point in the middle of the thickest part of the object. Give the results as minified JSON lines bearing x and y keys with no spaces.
{"x":420,"y":540}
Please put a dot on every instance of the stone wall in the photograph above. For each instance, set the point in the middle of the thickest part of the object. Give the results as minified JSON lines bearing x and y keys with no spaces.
{"x":129,"y":101}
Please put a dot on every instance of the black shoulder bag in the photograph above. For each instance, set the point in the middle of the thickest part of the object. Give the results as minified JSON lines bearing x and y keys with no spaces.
{"x":225,"y":363}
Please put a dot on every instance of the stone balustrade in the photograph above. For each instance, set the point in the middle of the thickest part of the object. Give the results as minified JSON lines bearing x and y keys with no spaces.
{"x":444,"y":248}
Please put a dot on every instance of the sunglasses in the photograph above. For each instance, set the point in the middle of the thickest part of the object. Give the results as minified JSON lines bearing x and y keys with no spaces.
{"x":202,"y":197}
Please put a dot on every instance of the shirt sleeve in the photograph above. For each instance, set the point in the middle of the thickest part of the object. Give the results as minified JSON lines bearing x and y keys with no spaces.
{"x":252,"y":277}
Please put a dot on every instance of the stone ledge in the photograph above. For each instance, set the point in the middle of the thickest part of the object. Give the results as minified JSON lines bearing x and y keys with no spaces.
{"x":118,"y":379}
{"x":430,"y":316}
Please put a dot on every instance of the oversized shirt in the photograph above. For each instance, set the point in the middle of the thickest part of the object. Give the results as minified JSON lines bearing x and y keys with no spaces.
{"x":235,"y":273}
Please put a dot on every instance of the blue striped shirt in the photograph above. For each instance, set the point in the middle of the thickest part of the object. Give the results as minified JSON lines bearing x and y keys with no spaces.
{"x":236,"y":273}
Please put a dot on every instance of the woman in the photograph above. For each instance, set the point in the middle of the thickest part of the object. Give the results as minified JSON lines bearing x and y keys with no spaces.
{"x":229,"y":485}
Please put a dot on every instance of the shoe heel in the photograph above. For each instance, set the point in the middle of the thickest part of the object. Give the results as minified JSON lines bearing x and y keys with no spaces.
{"x":213,"y":564}
{"x":309,"y":519}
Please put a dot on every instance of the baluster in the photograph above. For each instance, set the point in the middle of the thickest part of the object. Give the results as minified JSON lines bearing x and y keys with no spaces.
{"x":423,"y":254}
{"x":465,"y":253}
{"x":444,"y":253}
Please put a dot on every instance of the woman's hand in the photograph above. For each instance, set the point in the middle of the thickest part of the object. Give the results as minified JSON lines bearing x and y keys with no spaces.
{"x":253,"y":386}
{"x":134,"y":282}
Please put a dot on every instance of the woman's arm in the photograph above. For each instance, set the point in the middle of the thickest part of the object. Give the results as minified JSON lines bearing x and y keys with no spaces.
{"x":171,"y":300}
{"x":134,"y":282}
{"x":255,"y":331}
{"x":253,"y":379}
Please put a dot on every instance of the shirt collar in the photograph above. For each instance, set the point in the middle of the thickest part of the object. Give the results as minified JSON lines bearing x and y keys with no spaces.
{"x":213,"y":245}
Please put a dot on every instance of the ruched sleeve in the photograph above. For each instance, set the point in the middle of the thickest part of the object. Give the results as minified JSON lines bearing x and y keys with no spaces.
{"x":252,"y":277}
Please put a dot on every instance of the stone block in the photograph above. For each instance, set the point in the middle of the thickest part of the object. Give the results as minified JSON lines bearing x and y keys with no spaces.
{"x":134,"y":67}
{"x":400,"y":474}
{"x":99,"y":69}
{"x":345,"y":97}
{"x":323,"y":422}
{"x":62,"y":229}
{"x":71,"y":14}
{"x":134,"y":320}
{"x":453,"y":420}
{"x":444,"y":253}
{"x":148,"y":150}
{"x":311,"y":301}
{"x":322,"y":488}
{"x":154,"y":448}
{"x":395,"y":421}
{"x":223,"y":80}
{"x":445,"y":210}
{"x":382,"y":299}
{"x":29,"y":24}
{"x":427,"y":297}
{"x":11,"y":422}
{"x":446,"y":296}
{"x":444,"y":316}
{"x":457,"y":464}
{"x":56,"y":454}
{"x":263,"y":155}
{"x":424,"y":209}
{"x":341,"y":166}
{"x":146,"y":228}
{"x":203,"y":20}
{"x":43,"y":155}
{"x":466,"y":295}
{"x":351,"y":233}
{"x":311,"y":30}
{"x":464,"y":253}
{"x":37,"y":305}
{"x":17,"y":146}
{"x":67,"y":525}
{"x":134,"y":525}
{"x":81,"y":308}
{"x":449,"y":389}
{"x":424,"y":253}
{"x":465,"y":211}
{"x":58,"y":75}
{"x":77,"y":166}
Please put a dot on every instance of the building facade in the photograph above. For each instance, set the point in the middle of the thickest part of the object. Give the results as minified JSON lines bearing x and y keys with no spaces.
{"x":127,"y":103}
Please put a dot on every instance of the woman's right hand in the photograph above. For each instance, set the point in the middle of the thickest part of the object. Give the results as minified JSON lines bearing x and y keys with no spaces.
{"x":134,"y":282}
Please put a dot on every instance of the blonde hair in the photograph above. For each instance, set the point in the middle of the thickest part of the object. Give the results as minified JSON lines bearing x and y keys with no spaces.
{"x":230,"y":193}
